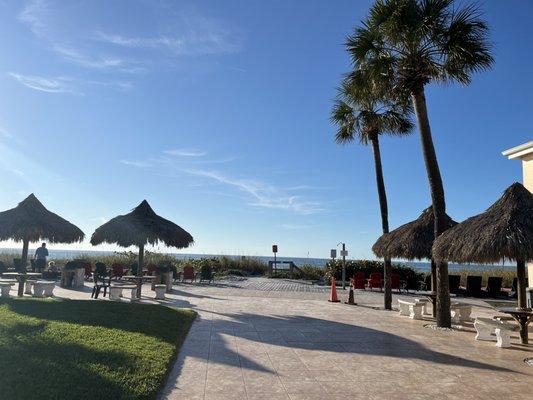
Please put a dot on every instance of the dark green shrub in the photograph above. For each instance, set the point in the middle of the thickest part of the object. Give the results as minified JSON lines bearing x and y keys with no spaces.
{"x":72,"y":265}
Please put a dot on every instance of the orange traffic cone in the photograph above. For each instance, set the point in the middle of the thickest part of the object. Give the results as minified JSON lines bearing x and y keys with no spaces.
{"x":333,"y":296}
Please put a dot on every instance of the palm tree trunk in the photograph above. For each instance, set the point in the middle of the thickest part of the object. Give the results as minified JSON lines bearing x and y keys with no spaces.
{"x":439,"y":204}
{"x":387,"y":268}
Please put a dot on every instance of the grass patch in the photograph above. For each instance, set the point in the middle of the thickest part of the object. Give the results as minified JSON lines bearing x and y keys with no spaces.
{"x":76,"y":349}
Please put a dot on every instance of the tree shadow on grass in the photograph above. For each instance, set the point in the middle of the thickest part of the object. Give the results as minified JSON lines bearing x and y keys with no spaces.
{"x":34,"y":365}
{"x":148,"y":319}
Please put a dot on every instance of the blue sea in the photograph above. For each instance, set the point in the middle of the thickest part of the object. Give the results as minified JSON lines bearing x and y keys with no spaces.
{"x":299,"y":261}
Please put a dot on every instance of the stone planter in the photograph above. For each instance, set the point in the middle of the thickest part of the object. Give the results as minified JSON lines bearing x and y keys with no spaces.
{"x":72,"y":278}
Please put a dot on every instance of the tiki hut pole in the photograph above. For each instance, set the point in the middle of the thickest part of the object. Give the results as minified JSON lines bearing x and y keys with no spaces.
{"x":29,"y":222}
{"x":503,"y":231}
{"x":140,"y":227}
{"x":412,"y":241}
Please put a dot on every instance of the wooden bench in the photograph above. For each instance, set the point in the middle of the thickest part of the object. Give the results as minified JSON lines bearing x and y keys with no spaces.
{"x":115,"y":291}
{"x":160,"y":291}
{"x":5,"y":287}
{"x":485,"y":327}
{"x":411,"y":309}
{"x":43,"y":288}
{"x":460,"y":312}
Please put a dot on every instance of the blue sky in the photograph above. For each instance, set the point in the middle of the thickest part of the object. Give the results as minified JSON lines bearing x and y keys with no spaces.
{"x":217,"y":113}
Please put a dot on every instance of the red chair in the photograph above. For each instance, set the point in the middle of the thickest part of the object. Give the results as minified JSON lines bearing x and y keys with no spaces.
{"x":358,"y":280}
{"x":375,"y":280}
{"x":395,"y":282}
{"x":188,"y":273}
{"x":118,"y":270}
{"x":151,"y":269}
{"x":88,"y":270}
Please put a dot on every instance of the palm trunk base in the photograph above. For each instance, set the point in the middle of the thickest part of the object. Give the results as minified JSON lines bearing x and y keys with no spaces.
{"x":387,"y":287}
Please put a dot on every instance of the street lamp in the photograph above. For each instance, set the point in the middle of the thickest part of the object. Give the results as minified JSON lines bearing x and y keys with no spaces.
{"x":344,"y":253}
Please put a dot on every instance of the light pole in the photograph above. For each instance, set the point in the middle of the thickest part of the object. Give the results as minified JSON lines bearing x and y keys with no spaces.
{"x":344,"y":253}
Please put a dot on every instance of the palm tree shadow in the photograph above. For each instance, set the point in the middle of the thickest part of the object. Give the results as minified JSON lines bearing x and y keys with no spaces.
{"x":309,"y":333}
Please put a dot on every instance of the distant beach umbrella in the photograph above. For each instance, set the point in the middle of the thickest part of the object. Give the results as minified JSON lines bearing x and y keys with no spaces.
{"x":140,"y":227}
{"x":504,"y":231}
{"x":30,"y":221}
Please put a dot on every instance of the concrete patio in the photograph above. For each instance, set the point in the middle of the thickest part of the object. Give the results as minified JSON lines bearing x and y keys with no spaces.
{"x":261,"y":339}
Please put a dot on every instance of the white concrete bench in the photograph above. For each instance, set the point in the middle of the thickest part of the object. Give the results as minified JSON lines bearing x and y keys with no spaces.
{"x":5,"y":287}
{"x":460,"y":312}
{"x":115,"y":291}
{"x":411,"y":309}
{"x":28,"y":286}
{"x":160,"y":291}
{"x":43,"y":288}
{"x":485,"y":327}
{"x":424,"y":303}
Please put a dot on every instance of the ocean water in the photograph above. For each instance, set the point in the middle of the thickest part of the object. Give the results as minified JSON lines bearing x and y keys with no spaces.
{"x":299,"y":261}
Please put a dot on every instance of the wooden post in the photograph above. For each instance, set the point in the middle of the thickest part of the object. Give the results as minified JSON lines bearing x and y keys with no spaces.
{"x":24,"y":260}
{"x":521,"y":283}
{"x":140,"y":269}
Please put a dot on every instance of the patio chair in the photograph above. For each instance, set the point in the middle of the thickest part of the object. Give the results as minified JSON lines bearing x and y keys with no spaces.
{"x":473,"y":285}
{"x":151,"y":269}
{"x":88,"y":270}
{"x":454,"y":283}
{"x":494,"y":286}
{"x":206,"y":273}
{"x":3,"y":267}
{"x":358,"y":280}
{"x":375,"y":280}
{"x":117,"y":270}
{"x":397,"y":283}
{"x":188,"y":274}
{"x":101,"y":280}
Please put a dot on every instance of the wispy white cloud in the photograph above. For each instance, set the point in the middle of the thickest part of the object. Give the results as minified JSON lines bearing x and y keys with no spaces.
{"x":264,"y":195}
{"x":34,"y":14}
{"x":186,"y":152}
{"x":17,"y":171}
{"x":5,"y":133}
{"x":99,"y":62}
{"x":137,"y":164}
{"x":43,"y":84}
{"x":203,"y":36}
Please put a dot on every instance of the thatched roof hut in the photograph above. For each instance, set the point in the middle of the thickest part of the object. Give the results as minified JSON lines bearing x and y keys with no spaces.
{"x":31,"y":221}
{"x":411,"y":241}
{"x":140,"y":227}
{"x":504,"y":231}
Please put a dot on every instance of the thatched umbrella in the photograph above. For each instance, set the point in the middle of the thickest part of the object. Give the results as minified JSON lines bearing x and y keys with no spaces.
{"x":412,"y":241}
{"x":140,"y":227}
{"x":30,"y":221}
{"x":504,"y":231}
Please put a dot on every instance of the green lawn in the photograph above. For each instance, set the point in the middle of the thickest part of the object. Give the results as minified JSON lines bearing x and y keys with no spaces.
{"x":51,"y":349}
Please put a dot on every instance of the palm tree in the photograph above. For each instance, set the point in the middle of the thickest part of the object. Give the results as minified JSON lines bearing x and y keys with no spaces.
{"x":413,"y":43}
{"x":363,"y":113}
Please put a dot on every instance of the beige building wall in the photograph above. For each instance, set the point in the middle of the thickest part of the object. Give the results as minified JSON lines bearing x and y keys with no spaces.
{"x":524,"y":153}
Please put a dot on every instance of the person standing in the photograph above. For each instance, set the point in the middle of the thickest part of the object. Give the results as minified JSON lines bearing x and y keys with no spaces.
{"x":40,"y":258}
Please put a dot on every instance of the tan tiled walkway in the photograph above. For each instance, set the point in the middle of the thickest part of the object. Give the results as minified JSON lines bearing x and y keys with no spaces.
{"x":247,"y":346}
{"x":251,"y":342}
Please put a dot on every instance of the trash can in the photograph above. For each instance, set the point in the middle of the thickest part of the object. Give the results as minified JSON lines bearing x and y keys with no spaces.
{"x":529,"y":297}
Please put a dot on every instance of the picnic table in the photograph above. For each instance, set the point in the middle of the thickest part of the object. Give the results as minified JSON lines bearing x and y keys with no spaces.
{"x":523,"y":316}
{"x":139,"y":280}
{"x":21,"y":277}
